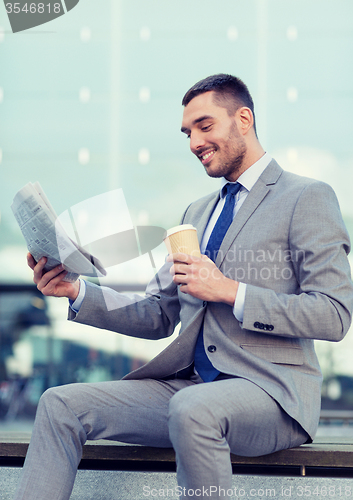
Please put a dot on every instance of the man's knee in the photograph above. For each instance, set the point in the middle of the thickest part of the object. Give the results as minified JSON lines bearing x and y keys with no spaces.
{"x":49,"y":396}
{"x":186,"y":411}
{"x":54,"y":401}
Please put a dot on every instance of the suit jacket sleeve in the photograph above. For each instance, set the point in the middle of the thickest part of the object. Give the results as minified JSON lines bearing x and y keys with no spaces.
{"x":322,"y":306}
{"x":151,"y":316}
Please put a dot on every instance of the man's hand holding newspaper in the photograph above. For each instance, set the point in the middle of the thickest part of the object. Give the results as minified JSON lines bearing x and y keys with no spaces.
{"x":56,"y":260}
{"x":52,"y":283}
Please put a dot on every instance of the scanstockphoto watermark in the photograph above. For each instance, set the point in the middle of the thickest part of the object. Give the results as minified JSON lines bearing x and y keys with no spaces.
{"x":103,"y":227}
{"x":248,"y":265}
{"x":210,"y":492}
{"x":24,"y":15}
{"x":249,"y":273}
{"x":284,"y":491}
{"x":238,"y":254}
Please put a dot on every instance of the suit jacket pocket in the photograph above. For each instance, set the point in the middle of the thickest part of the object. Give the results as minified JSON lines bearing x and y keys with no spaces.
{"x":276,"y":354}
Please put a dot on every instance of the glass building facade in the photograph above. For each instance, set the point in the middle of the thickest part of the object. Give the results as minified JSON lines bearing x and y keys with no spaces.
{"x":91,"y":102}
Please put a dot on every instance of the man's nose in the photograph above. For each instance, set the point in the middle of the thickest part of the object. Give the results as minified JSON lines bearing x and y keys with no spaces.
{"x":197,"y":142}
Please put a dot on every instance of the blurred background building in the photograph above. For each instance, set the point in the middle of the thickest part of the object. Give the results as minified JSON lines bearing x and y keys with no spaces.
{"x":91,"y":102}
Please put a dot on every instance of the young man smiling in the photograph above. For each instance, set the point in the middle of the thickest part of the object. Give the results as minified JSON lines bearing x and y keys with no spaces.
{"x":242,"y":376}
{"x":218,"y":136}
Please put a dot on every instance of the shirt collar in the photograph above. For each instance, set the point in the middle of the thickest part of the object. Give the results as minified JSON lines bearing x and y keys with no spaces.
{"x":251,"y":174}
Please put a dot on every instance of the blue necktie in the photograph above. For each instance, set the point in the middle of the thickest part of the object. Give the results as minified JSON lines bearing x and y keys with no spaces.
{"x":203,"y":365}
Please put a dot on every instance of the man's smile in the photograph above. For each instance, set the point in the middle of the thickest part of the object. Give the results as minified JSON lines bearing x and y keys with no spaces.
{"x":206,"y":157}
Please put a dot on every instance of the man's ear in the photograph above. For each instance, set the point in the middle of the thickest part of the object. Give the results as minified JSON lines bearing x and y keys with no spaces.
{"x":245,"y":119}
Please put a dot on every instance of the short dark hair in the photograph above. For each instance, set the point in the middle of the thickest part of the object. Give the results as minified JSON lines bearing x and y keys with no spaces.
{"x":230,"y":93}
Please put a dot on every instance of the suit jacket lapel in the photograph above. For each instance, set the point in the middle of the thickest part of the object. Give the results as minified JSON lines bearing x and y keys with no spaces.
{"x":202,"y":219}
{"x":256,"y":195}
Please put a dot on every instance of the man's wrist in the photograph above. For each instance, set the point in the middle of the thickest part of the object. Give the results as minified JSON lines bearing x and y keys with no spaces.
{"x":76,"y":304}
{"x":73,"y":294}
{"x":239,"y":303}
{"x":229,"y":292}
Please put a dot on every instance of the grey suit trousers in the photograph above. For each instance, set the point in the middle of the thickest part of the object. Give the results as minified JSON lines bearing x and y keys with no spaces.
{"x":202,"y":421}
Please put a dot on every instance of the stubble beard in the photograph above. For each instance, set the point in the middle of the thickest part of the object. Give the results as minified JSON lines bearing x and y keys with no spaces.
{"x":231,"y":166}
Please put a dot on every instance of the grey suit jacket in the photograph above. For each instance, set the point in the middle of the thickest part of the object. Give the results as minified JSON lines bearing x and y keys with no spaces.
{"x":288,"y":243}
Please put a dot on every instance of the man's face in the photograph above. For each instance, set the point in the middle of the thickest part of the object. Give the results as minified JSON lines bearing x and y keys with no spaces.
{"x":214,"y":137}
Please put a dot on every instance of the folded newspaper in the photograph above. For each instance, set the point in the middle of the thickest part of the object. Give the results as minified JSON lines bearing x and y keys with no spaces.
{"x":46,"y":237}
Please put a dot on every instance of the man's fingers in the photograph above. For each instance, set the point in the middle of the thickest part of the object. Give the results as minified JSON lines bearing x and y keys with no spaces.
{"x":42,"y":279}
{"x":30,"y":261}
{"x":49,"y":287}
{"x":181,"y":262}
{"x":39,"y":266}
{"x":38,"y":269}
{"x":51,"y":283}
{"x":50,"y":275}
{"x":180,"y":257}
{"x":178,"y":268}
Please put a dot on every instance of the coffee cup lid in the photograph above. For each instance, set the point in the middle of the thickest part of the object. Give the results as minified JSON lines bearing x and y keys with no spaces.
{"x":176,"y":229}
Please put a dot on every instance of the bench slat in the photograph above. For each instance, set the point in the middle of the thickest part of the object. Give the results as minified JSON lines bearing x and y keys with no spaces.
{"x":324,"y":452}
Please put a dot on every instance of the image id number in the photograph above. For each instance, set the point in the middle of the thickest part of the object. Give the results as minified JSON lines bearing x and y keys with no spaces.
{"x":324,"y":491}
{"x":32,"y":8}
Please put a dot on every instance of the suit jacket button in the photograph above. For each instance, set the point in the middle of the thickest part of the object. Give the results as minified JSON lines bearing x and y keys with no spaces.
{"x":270,"y":327}
{"x":212,"y":348}
{"x":257,"y":324}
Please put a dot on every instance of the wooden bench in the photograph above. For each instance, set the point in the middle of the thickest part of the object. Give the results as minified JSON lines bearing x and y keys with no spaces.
{"x":326,"y":456}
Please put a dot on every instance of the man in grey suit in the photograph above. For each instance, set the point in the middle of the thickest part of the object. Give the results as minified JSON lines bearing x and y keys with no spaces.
{"x":242,"y":376}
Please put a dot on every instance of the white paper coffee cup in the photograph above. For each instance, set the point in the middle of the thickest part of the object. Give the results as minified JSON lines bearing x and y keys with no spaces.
{"x":183,"y":239}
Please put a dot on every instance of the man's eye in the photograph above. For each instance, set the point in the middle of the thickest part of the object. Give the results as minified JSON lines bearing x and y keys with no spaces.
{"x":204,"y":129}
